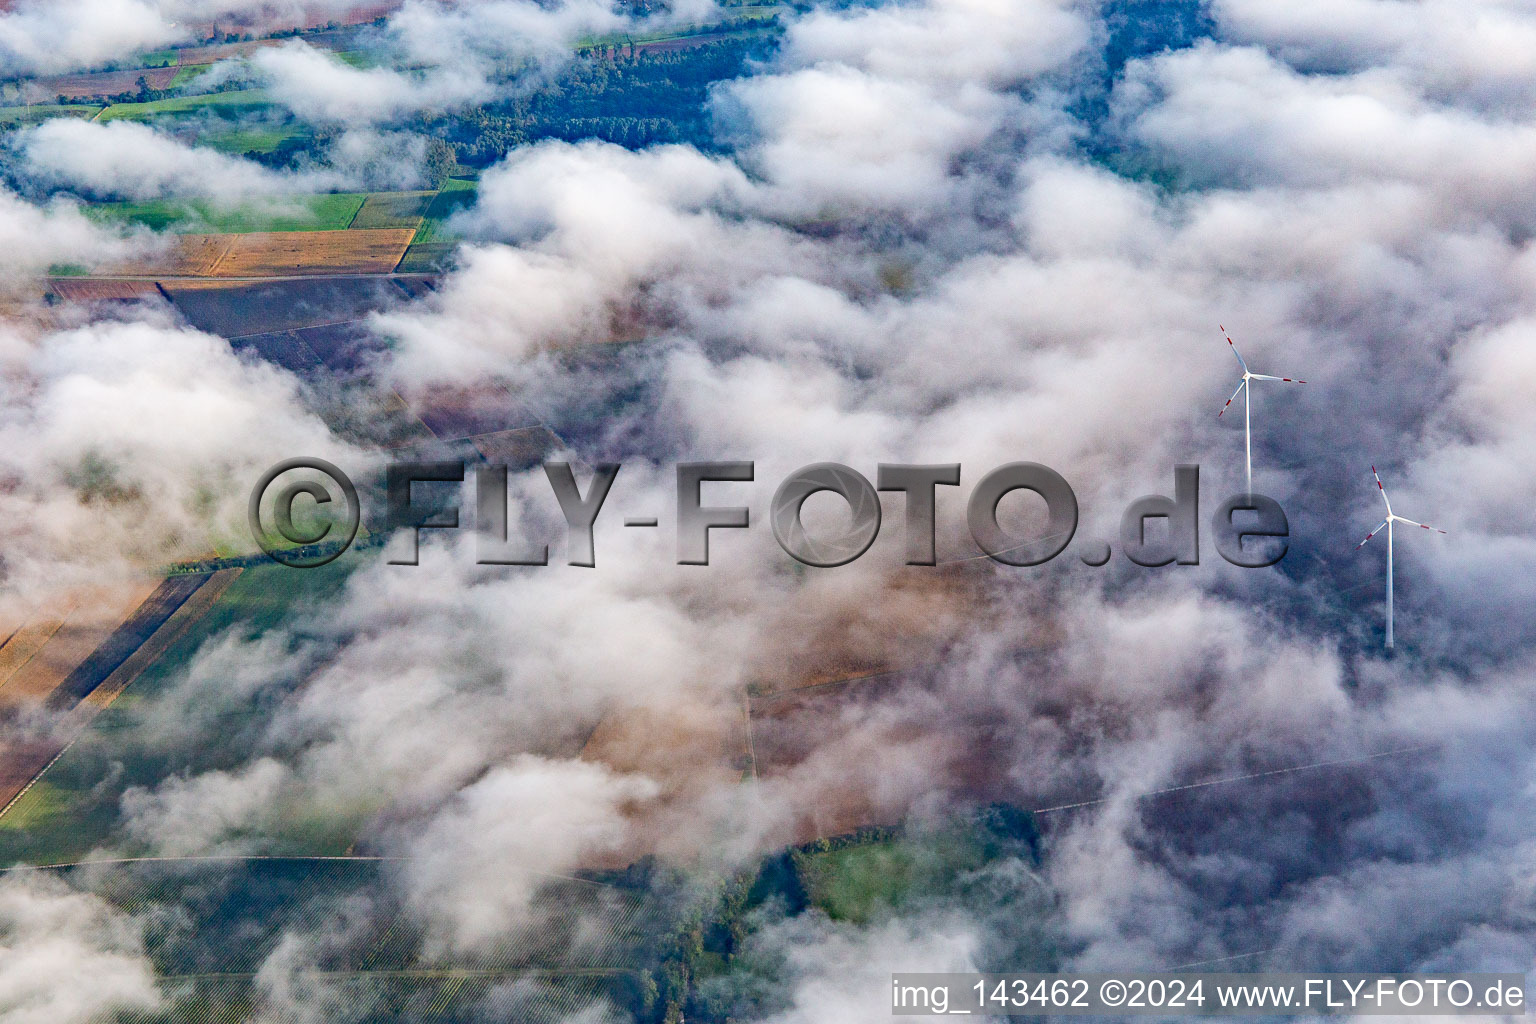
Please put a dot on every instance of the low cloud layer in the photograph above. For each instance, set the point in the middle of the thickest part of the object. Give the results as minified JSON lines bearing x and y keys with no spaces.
{"x":43,"y":36}
{"x":454,"y":55}
{"x":126,"y":160}
{"x":68,"y":957}
{"x":925,"y":245}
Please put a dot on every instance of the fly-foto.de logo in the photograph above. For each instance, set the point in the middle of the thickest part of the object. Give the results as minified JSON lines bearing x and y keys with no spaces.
{"x":306,"y":512}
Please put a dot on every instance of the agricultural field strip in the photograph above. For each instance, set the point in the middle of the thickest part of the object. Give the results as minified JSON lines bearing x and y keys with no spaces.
{"x":264,"y":256}
{"x":149,"y":109}
{"x":133,"y":633}
{"x":363,"y":250}
{"x":191,"y":609}
{"x":24,"y":790}
{"x":201,"y":217}
{"x":25,"y":642}
{"x":173,"y":625}
{"x":737,"y":21}
{"x":88,"y":623}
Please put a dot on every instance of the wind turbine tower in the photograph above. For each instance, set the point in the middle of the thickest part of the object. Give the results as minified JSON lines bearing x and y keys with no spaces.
{"x":1243,"y":389}
{"x":1387,"y":522}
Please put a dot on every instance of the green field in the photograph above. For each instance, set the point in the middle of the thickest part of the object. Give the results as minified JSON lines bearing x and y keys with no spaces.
{"x":456,"y":194}
{"x":261,"y":139}
{"x":239,"y":101}
{"x":72,"y":809}
{"x":329,"y":212}
{"x":157,"y":59}
{"x":357,"y":58}
{"x":858,"y":881}
{"x":393,"y":210}
{"x":188,"y":74}
{"x":43,"y":111}
{"x":426,"y":257}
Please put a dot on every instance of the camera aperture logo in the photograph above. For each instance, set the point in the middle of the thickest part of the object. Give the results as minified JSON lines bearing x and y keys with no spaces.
{"x":316,"y":517}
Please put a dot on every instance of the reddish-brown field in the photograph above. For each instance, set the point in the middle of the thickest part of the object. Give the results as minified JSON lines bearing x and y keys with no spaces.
{"x":106,"y":83}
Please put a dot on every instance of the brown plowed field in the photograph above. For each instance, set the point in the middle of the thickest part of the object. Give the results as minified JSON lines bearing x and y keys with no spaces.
{"x":106,"y":83}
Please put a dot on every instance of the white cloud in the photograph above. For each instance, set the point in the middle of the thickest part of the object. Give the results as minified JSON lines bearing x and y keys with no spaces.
{"x":67,"y":957}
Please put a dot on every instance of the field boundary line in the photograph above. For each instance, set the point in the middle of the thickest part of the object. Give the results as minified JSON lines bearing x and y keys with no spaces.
{"x":1363,"y":759}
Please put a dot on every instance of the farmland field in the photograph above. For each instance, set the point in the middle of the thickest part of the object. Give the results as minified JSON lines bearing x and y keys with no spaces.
{"x":259,"y":139}
{"x":324,"y":212}
{"x":393,"y":210}
{"x":455,"y":195}
{"x":457,"y":413}
{"x":87,"y":289}
{"x":70,"y":809}
{"x":52,"y":675}
{"x":426,"y":257}
{"x":236,"y":102}
{"x":274,"y":254}
{"x":188,"y":73}
{"x":107,"y":83}
{"x":33,"y":113}
{"x":108,"y":656}
{"x":85,"y":626}
{"x":182,"y":255}
{"x":858,"y":881}
{"x":241,"y":308}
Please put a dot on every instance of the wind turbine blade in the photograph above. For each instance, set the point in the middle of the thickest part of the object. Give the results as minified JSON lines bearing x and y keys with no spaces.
{"x":1371,"y":534}
{"x":1265,"y":376}
{"x":1233,"y":398}
{"x":1234,"y":349}
{"x":1383,"y":491}
{"x":1410,"y":522}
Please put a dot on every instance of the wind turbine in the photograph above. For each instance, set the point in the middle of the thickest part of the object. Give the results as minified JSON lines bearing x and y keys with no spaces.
{"x":1242,"y":387}
{"x":1387,"y":522}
